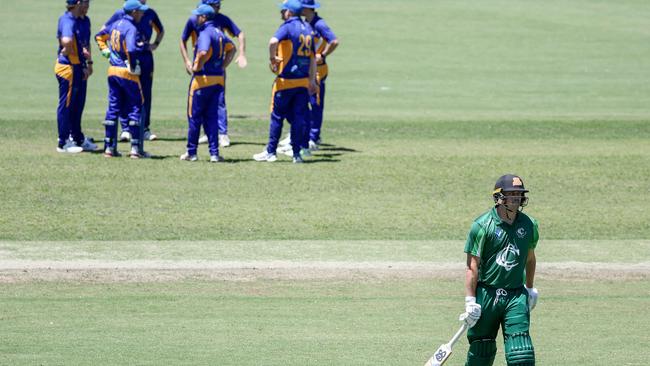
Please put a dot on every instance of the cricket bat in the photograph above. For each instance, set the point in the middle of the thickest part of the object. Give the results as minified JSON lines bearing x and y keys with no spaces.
{"x":444,"y":351}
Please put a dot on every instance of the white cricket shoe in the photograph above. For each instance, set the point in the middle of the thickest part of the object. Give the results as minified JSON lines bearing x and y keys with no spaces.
{"x":265,"y":156}
{"x":313,"y":145}
{"x":216,"y":159}
{"x":110,"y":153}
{"x":137,"y":154}
{"x":298,"y":160}
{"x":88,"y":145}
{"x":224,"y":140}
{"x":285,"y":141}
{"x":150,"y":136}
{"x":70,"y":147}
{"x":284,"y":148}
{"x":203,"y":139}
{"x":125,"y":136}
{"x":188,"y":157}
{"x":288,"y":152}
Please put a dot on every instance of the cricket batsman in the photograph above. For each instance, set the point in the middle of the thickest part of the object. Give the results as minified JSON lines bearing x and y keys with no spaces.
{"x":228,"y":27}
{"x":149,"y":23}
{"x":124,"y":90}
{"x":500,"y":276}
{"x":73,"y":67}
{"x":212,"y":54}
{"x":292,"y":59}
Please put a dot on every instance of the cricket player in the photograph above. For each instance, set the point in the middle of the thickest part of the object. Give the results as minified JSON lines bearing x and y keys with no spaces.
{"x":150,"y":22}
{"x":125,"y":95}
{"x":73,"y":67}
{"x":500,"y":277}
{"x":212,"y":54}
{"x":227,"y":26}
{"x":325,"y":42}
{"x":291,"y":54}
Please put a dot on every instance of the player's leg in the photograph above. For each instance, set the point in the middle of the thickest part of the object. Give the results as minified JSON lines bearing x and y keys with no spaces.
{"x":115,"y":98}
{"x":281,"y":106}
{"x":300,"y":106}
{"x":223,"y":118}
{"x":317,"y":103}
{"x":146,"y":81}
{"x":134,"y":102}
{"x":64,"y":76}
{"x":80,"y":102}
{"x":195,"y":110}
{"x":211,"y":119}
{"x":482,"y":337}
{"x":519,"y":348}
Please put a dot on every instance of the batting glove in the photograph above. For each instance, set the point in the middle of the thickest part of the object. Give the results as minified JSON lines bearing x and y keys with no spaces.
{"x":106,"y":52}
{"x":532,"y":298}
{"x":472,"y":312}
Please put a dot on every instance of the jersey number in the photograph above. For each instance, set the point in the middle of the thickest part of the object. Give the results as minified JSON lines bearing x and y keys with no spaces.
{"x":115,"y":40}
{"x":305,"y":46}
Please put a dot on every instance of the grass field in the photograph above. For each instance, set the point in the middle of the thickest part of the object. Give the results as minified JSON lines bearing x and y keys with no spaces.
{"x":356,"y":257}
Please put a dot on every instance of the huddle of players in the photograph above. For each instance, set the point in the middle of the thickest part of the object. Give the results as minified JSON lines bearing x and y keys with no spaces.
{"x":125,"y":39}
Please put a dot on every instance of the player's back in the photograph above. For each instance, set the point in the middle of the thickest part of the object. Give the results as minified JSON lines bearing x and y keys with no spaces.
{"x":122,"y":41}
{"x":295,"y":48}
{"x":216,"y":44}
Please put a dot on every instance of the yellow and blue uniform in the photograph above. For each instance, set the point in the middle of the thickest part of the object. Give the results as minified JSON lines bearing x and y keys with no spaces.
{"x":229,"y":28}
{"x":323,"y":36}
{"x":149,"y":23}
{"x":207,"y":87}
{"x":291,"y":87}
{"x":124,"y":90}
{"x":69,"y":71}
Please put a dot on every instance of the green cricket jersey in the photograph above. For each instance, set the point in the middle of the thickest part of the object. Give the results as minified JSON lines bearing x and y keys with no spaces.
{"x":503,"y":248}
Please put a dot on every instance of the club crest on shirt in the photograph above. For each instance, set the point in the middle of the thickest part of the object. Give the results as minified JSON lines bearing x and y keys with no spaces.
{"x":521,"y":232}
{"x":498,"y":232}
{"x":508,"y":257}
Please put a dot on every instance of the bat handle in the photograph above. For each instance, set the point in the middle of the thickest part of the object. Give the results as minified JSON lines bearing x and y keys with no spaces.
{"x":456,"y":336}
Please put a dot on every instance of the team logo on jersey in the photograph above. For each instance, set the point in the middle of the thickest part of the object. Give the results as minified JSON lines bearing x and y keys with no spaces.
{"x":498,"y":232}
{"x":521,"y":232}
{"x":508,"y":257}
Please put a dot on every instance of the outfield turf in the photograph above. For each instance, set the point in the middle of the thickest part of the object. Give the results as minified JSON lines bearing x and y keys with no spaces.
{"x":428,"y":103}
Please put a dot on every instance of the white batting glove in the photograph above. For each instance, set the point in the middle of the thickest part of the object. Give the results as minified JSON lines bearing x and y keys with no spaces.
{"x":472,"y":312}
{"x":106,"y":53}
{"x":532,"y":298}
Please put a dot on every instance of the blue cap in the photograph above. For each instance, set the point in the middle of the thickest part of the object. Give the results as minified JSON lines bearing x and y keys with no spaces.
{"x":211,"y":2}
{"x":311,"y":4}
{"x":72,"y":2}
{"x":131,"y":5}
{"x":206,"y":10}
{"x":294,"y":6}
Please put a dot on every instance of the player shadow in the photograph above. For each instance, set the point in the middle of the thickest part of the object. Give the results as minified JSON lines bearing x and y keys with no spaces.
{"x":330,"y":147}
{"x":235,"y":143}
{"x":170,"y":139}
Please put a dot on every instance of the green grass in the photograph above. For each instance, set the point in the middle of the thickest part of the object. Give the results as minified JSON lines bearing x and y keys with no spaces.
{"x":428,"y":103}
{"x":297,"y":323}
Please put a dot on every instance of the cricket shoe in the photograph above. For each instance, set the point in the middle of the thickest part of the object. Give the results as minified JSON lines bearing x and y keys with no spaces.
{"x":111,"y":153}
{"x":125,"y":136}
{"x":216,"y":159}
{"x":305,"y":153}
{"x":224,"y":140}
{"x":88,"y":145}
{"x":70,"y":147}
{"x":284,"y":148}
{"x":313,"y":145}
{"x":150,"y":136}
{"x":285,"y":141}
{"x":298,"y":159}
{"x":137,"y":154}
{"x":265,"y":156}
{"x":188,"y":157}
{"x":203,"y":139}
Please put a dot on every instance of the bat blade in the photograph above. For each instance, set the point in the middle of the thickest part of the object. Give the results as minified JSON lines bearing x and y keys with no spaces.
{"x":440,"y":356}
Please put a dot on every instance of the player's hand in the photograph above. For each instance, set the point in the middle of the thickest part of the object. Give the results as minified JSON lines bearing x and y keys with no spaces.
{"x":152,"y":47}
{"x":319,"y":58}
{"x":313,"y":88}
{"x":106,"y":53}
{"x":241,"y":61}
{"x":274,"y":64}
{"x":88,"y":71}
{"x":532,"y":298}
{"x":472,"y":312}
{"x":188,"y":67}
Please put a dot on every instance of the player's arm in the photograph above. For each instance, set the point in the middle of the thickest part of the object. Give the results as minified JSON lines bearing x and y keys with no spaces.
{"x":102,"y":41}
{"x":471,"y":274}
{"x":201,"y":58}
{"x":229,"y":54}
{"x":66,"y":45}
{"x":157,"y":26}
{"x":274,"y":60}
{"x":313,"y":69}
{"x":88,"y":70}
{"x":202,"y":50}
{"x":241,"y":58}
{"x":531,"y":263}
{"x":330,"y":38}
{"x":183,"y":46}
{"x":132,"y":52}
